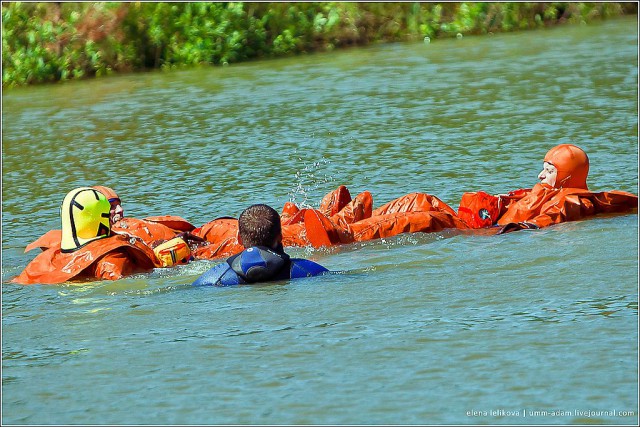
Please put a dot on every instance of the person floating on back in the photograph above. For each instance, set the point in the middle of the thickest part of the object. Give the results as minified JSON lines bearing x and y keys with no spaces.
{"x":87,"y":249}
{"x":168,"y":235}
{"x":264,"y":259}
{"x":561,"y":195}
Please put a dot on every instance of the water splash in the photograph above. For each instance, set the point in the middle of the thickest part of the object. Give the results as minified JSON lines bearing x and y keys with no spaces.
{"x":307,"y":180}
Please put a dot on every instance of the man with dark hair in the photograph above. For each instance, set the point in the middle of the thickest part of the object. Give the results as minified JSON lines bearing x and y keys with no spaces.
{"x":259,"y":225}
{"x":264,"y":259}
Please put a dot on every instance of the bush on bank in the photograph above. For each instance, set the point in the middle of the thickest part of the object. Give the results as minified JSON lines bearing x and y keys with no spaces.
{"x":48,"y":42}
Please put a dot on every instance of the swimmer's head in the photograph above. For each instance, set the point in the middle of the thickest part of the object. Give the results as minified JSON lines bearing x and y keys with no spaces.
{"x":259,"y":225}
{"x":116,"y":211}
{"x":85,"y":217}
{"x":565,"y":166}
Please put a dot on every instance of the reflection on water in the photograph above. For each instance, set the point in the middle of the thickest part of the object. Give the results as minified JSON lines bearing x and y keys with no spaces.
{"x":415,"y":329}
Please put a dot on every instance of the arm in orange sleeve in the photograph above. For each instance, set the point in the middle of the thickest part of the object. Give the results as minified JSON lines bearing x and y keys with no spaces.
{"x":573,"y":207}
{"x":47,"y":240}
{"x":566,"y":205}
{"x":554,"y":211}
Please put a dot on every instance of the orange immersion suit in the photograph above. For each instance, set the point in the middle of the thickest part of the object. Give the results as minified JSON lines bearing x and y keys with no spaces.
{"x":153,"y":231}
{"x":415,"y":212}
{"x":86,"y":248}
{"x":544,"y":205}
{"x":569,"y":199}
{"x":221,"y":236}
{"x":526,"y":208}
{"x":110,"y":258}
{"x":46,"y":241}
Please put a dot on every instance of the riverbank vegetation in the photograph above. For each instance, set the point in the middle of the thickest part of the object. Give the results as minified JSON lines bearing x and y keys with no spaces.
{"x":49,"y":42}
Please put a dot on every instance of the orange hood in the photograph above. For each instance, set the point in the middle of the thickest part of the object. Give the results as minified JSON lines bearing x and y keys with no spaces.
{"x":572,"y":164}
{"x":108,"y":192}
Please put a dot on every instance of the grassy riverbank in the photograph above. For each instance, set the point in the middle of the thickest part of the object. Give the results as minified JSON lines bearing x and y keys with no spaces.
{"x":49,"y":42}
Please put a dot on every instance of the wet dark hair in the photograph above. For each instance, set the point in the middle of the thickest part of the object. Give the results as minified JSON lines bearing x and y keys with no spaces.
{"x":259,"y":225}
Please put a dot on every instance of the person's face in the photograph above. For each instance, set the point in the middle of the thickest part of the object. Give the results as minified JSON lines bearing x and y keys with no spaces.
{"x":116,"y":213}
{"x":548,"y":175}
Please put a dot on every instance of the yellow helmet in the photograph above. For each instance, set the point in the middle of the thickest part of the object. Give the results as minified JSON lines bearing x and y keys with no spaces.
{"x":85,"y":218}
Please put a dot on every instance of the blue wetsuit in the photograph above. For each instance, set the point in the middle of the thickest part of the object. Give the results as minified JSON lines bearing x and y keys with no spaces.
{"x":258,"y":264}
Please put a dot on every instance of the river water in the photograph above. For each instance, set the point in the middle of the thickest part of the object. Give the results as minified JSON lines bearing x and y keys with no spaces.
{"x":534,"y":327}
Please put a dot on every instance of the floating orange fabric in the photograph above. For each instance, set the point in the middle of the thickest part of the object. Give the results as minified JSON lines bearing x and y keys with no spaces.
{"x":47,"y":240}
{"x":415,"y":212}
{"x":545,"y":205}
{"x":295,"y":232}
{"x":321,"y":231}
{"x":219,"y":249}
{"x":348,"y":211}
{"x":150,"y":232}
{"x":333,"y":202}
{"x":218,"y":229}
{"x":389,"y":225}
{"x":295,"y":235}
{"x":414,"y":202}
{"x":324,"y":232}
{"x":221,"y":236}
{"x":289,"y":211}
{"x":293,"y":219}
{"x":109,"y":258}
{"x":506,"y":200}
{"x":356,"y":210}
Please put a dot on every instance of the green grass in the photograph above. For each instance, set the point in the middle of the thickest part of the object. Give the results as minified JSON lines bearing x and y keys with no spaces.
{"x":50,"y":42}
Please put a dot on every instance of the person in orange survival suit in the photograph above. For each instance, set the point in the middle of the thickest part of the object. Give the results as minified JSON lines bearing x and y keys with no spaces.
{"x":222,"y":233}
{"x":562,"y":195}
{"x":169,"y":235}
{"x":153,"y":231}
{"x":87,"y":249}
